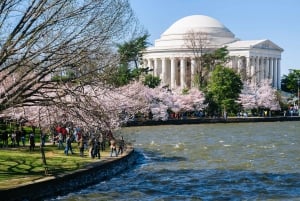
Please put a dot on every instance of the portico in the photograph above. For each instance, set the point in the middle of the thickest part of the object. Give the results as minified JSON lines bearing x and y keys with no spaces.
{"x":175,"y":63}
{"x":173,"y":71}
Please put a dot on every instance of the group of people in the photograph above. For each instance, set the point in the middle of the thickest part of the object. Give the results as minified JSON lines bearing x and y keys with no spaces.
{"x":114,"y":144}
{"x":98,"y":143}
{"x":16,"y":139}
{"x":93,"y":142}
{"x":13,"y":139}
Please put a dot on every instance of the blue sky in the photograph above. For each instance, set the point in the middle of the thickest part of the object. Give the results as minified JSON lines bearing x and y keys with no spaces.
{"x":276,"y":20}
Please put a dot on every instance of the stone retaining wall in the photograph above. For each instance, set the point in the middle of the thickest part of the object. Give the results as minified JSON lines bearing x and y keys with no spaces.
{"x":62,"y":184}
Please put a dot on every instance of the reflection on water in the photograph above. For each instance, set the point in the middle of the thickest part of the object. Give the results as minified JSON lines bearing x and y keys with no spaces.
{"x":250,"y":161}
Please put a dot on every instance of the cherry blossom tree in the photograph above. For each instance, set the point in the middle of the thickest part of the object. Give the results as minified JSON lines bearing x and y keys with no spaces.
{"x":267,"y":96}
{"x":247,"y":97}
{"x":73,"y":42}
{"x":54,"y":38}
{"x":94,"y":106}
{"x":191,"y":100}
{"x":259,"y":96}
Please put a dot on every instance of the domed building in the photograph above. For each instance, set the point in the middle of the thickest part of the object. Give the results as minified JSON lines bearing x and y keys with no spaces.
{"x":173,"y":57}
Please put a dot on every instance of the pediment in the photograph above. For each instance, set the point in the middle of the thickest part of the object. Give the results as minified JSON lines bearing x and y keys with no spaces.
{"x":267,"y":44}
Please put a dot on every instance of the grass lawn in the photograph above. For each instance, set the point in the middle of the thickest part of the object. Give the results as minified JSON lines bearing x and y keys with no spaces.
{"x":19,"y":165}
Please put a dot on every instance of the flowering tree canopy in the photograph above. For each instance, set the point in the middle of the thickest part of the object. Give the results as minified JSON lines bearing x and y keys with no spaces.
{"x":259,"y":96}
{"x":267,"y":97}
{"x":247,"y":97}
{"x":54,"y":57}
{"x":94,"y":106}
{"x":46,"y":39}
{"x":192,"y":100}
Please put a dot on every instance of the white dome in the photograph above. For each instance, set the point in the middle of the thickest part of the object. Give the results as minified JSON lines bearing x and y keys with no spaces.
{"x":198,"y":23}
{"x":217,"y":33}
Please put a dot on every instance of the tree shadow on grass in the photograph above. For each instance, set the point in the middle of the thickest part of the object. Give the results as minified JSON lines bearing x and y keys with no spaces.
{"x":15,"y":165}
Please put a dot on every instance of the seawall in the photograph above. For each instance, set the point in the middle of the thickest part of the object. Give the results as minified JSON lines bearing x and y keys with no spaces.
{"x":62,"y":184}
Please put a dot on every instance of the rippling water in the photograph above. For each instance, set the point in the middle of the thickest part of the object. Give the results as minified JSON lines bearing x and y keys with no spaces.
{"x":250,"y":161}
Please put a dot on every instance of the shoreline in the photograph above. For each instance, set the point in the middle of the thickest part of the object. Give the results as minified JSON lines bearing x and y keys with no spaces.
{"x":211,"y":120}
{"x":51,"y":186}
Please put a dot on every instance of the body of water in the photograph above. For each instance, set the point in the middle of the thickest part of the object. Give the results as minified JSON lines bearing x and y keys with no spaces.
{"x":242,"y":161}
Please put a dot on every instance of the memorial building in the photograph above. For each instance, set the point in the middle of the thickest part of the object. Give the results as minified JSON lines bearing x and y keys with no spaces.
{"x":173,"y":57}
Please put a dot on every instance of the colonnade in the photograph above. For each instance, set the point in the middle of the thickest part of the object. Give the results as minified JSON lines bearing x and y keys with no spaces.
{"x":174,"y":71}
{"x":179,"y":71}
{"x":257,"y":68}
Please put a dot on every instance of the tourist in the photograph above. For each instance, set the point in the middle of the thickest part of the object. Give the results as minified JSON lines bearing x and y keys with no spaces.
{"x":69,"y":145}
{"x":60,"y":141}
{"x":113,"y":147}
{"x":121,"y":146}
{"x":18,"y":137}
{"x":91,"y":146}
{"x":81,"y":146}
{"x":13,"y":139}
{"x":43,"y":139}
{"x":101,"y":140}
{"x":225,"y":115}
{"x":5,"y":139}
{"x":96,"y":149}
{"x":23,"y":137}
{"x":31,"y":142}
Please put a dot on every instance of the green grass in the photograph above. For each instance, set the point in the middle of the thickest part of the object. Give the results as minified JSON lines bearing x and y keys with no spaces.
{"x":19,"y":165}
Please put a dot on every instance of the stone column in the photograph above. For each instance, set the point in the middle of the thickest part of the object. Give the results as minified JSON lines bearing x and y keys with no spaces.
{"x":173,"y":73}
{"x":258,"y":70}
{"x":235,"y":63}
{"x":232,"y":62}
{"x":182,"y":73}
{"x":248,"y":67}
{"x":150,"y":65}
{"x":262,"y":69}
{"x":253,"y":64}
{"x":271,"y":70}
{"x":193,"y":71}
{"x":267,"y":68}
{"x":163,"y":70}
{"x":278,"y":74}
{"x":275,"y":73}
{"x":239,"y":65}
{"x":155,"y":67}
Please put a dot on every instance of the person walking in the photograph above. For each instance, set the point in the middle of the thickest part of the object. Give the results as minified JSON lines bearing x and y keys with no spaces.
{"x":31,"y":142}
{"x":60,"y":141}
{"x":43,"y":139}
{"x":23,"y":137}
{"x":121,"y":146}
{"x":96,"y":149}
{"x":69,"y":145}
{"x":81,"y":146}
{"x":113,"y":147}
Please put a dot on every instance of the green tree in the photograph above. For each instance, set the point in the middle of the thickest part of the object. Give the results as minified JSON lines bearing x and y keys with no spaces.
{"x":209,"y":62}
{"x":223,"y":89}
{"x":289,"y":83}
{"x":129,"y":52}
{"x":132,"y":51}
{"x":151,"y":81}
{"x":119,"y":76}
{"x":217,"y":57}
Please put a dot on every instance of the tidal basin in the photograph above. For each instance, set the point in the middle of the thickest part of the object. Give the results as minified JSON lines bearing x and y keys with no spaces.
{"x":240,"y":161}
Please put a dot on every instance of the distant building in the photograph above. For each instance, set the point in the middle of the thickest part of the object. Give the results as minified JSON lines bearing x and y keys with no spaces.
{"x":174,"y":61}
